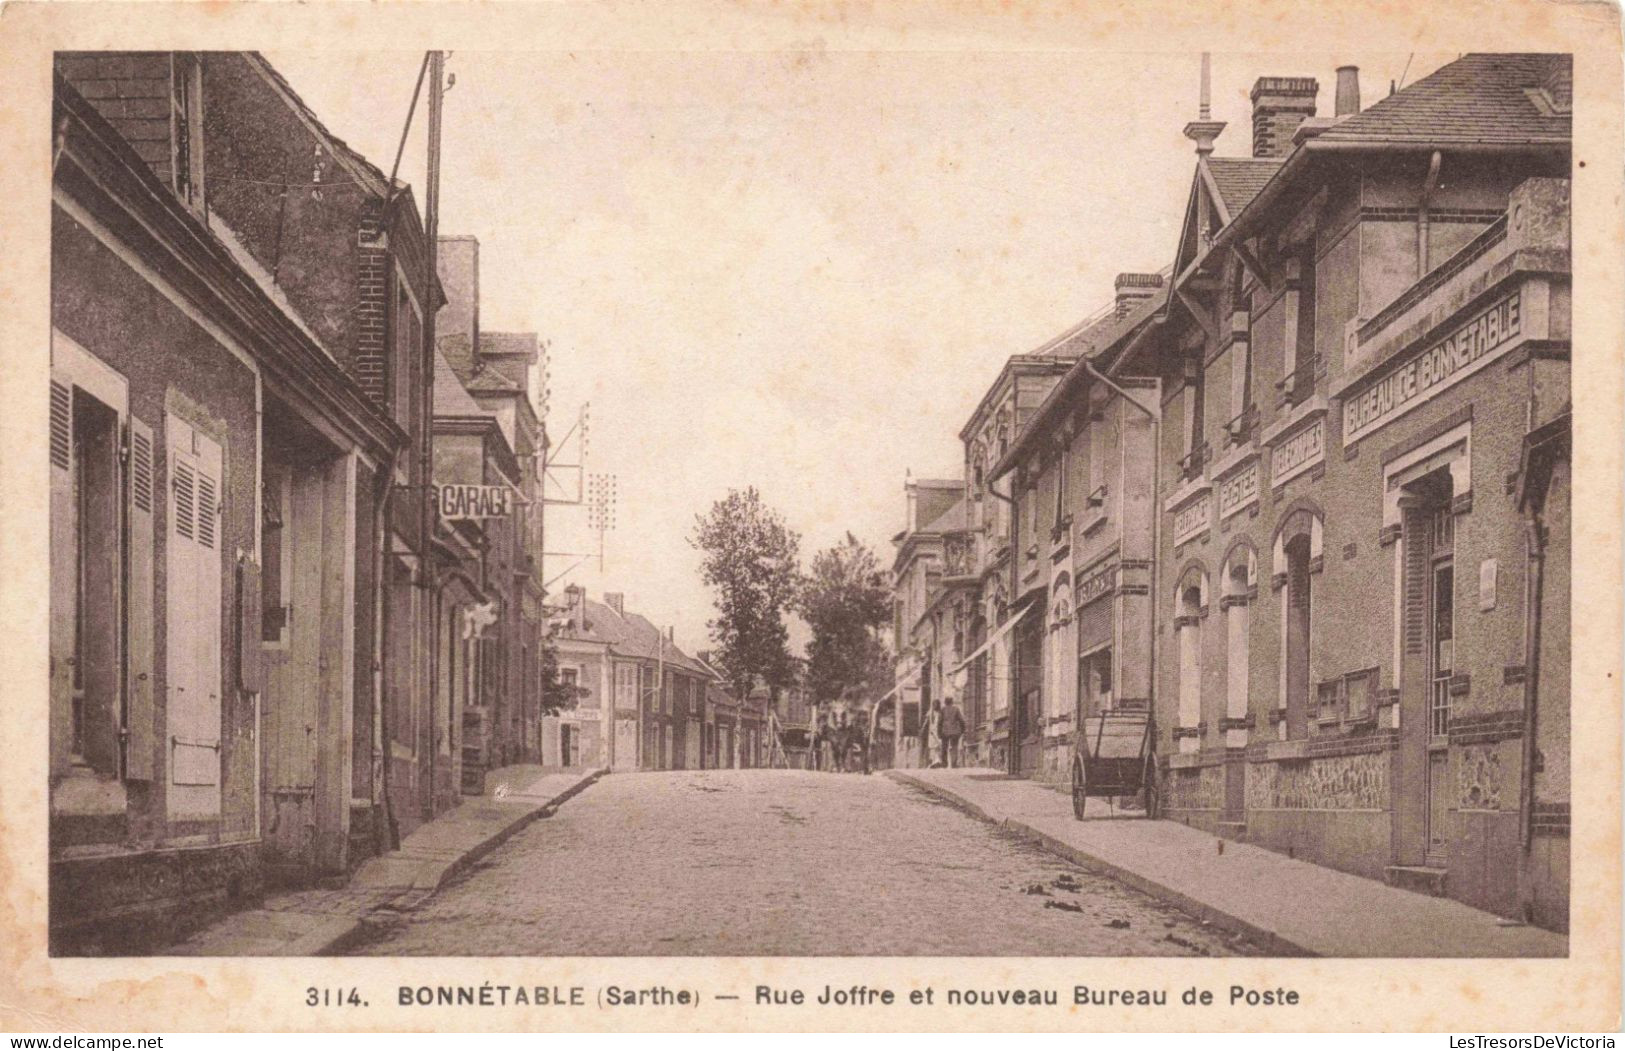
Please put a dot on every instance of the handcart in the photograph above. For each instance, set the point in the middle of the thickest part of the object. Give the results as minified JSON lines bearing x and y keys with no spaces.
{"x":1115,"y":755}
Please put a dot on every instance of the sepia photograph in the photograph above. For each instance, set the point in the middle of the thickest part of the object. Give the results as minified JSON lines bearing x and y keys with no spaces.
{"x":520,"y":502}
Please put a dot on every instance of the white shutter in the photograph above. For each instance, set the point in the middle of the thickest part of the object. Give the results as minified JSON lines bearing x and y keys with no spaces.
{"x":64,"y":592}
{"x":141,"y":752}
{"x":193,"y":622}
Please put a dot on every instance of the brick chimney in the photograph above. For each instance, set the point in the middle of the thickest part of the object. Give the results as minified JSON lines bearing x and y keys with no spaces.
{"x":457,"y":326}
{"x":1134,"y":289}
{"x":1348,"y":91}
{"x":1280,"y":104}
{"x":616,"y":601}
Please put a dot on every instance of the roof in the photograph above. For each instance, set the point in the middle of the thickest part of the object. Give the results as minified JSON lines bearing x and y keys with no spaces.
{"x":507,"y":343}
{"x":490,"y":381}
{"x":450,"y":397}
{"x":949,"y":521}
{"x":1062,"y":393}
{"x":1490,"y":99}
{"x":1240,"y":178}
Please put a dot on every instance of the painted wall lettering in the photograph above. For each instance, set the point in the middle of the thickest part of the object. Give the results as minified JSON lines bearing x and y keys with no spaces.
{"x":1445,"y":363}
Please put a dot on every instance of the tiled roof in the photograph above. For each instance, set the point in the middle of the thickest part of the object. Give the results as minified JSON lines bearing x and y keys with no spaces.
{"x":948,"y":521}
{"x":491,"y":381}
{"x":450,"y":398}
{"x":1475,"y":99}
{"x":523,"y":343}
{"x":1240,"y":178}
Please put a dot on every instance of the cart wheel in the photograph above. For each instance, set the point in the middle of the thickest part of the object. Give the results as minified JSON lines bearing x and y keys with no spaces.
{"x":1080,"y":789}
{"x":1152,"y":799}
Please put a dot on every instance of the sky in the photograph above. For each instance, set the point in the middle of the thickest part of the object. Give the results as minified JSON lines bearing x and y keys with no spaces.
{"x":793,"y":270}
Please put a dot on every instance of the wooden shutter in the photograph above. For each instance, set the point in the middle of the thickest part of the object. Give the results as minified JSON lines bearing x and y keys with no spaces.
{"x":64,"y":593}
{"x":141,"y":750}
{"x":250,"y":670}
{"x":1414,"y":539}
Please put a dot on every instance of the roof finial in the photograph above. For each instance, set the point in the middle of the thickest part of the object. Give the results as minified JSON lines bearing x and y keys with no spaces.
{"x":1204,"y":109}
{"x":1204,"y":129}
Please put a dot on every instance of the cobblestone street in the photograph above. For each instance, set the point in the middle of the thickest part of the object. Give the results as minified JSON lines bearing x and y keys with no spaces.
{"x":769,"y":862}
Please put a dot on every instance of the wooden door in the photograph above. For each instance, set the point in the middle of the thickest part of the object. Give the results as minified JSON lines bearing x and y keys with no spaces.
{"x":195,"y":570}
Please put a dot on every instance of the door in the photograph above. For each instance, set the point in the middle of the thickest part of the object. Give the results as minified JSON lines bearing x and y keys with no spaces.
{"x":1441,"y":668}
{"x":1027,"y":713}
{"x":194,"y":592}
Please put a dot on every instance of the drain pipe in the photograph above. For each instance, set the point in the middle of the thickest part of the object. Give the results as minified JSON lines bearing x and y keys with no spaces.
{"x":1428,"y":186}
{"x":1011,"y":762}
{"x":1535,"y":537}
{"x":383,"y":493}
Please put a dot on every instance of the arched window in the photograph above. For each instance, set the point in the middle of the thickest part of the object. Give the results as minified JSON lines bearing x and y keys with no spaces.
{"x":1062,"y":645}
{"x":1240,"y":585}
{"x":1190,"y":601}
{"x":1297,"y":557}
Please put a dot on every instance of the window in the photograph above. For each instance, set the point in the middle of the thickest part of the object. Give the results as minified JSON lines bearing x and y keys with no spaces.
{"x":1061,"y":459}
{"x":186,"y":127}
{"x":1298,"y":610}
{"x":405,"y":363}
{"x":1188,"y":626}
{"x":1192,"y":408}
{"x":1095,"y":683}
{"x":1300,"y":379}
{"x":275,"y":580}
{"x":1238,"y":590}
{"x":95,"y":543}
{"x":1442,"y":621}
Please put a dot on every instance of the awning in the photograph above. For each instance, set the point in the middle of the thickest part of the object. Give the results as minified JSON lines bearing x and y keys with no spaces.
{"x":1022,"y":609}
{"x":911,"y":679}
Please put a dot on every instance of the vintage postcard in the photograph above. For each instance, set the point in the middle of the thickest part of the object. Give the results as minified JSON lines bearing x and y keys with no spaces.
{"x":1058,"y":516}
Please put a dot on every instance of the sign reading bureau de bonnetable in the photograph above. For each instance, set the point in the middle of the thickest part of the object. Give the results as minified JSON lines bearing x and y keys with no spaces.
{"x":457,"y":502}
{"x":1441,"y":365}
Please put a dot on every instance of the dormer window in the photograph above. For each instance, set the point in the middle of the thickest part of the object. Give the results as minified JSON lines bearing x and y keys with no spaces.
{"x":186,"y":127}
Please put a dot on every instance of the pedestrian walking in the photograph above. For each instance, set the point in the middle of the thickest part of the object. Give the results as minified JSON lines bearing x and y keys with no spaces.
{"x":843,"y":744}
{"x":931,"y":740}
{"x":951,"y":728}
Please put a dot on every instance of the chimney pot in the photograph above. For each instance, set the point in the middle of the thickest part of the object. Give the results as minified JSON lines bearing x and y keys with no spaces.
{"x":1348,"y":91}
{"x":1280,"y":104}
{"x":1132,"y":289}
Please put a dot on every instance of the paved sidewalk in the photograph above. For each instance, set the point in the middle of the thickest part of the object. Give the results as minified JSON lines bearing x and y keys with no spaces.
{"x":319,"y":922}
{"x":1291,"y":907}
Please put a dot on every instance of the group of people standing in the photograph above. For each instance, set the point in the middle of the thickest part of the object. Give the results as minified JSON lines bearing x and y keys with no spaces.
{"x":839,"y":746}
{"x":944,"y":731}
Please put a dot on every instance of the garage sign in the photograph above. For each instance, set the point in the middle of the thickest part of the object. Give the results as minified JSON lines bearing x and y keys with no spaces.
{"x":457,"y":502}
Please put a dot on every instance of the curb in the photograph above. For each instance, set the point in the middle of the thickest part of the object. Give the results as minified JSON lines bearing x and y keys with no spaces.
{"x":418,"y":893}
{"x":415,"y":895}
{"x":330,"y":935}
{"x":1271,"y":942}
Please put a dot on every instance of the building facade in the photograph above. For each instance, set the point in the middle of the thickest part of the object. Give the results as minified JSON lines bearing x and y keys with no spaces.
{"x":219,"y":460}
{"x":1367,"y":343}
{"x":1305,"y":497}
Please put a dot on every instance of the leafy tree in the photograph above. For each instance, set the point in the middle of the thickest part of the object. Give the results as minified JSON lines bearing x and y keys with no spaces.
{"x":556,"y":696}
{"x":752,"y":565}
{"x":845,"y":600}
